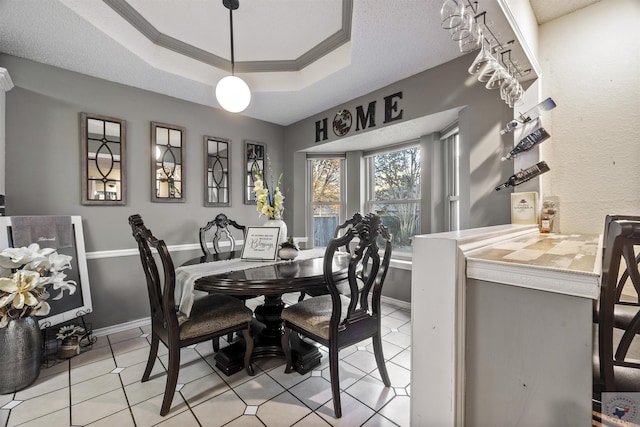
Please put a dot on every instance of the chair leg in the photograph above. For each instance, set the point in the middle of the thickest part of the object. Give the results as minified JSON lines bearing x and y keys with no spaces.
{"x":172,"y":378}
{"x":153,"y":353}
{"x":230,"y":338}
{"x":301,"y":297}
{"x":287,"y":350}
{"x":216,"y":344}
{"x":377,"y":351}
{"x":335,"y":378}
{"x":248,"y":351}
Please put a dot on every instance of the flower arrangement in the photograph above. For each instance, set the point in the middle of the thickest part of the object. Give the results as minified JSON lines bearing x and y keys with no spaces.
{"x":70,"y":331}
{"x":268,"y":203}
{"x":26,"y":276}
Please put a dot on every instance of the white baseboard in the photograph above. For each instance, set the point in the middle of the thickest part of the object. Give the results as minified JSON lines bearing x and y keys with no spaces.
{"x":396,"y":302}
{"x":122,"y":327}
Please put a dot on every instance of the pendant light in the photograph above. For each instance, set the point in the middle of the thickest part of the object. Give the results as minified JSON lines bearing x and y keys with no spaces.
{"x":232,"y":92}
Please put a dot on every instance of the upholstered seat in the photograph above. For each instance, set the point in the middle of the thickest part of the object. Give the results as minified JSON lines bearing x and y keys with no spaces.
{"x":211,"y":316}
{"x":338,"y":320}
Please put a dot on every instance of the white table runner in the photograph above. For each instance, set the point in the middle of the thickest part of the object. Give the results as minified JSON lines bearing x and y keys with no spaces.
{"x":186,"y":276}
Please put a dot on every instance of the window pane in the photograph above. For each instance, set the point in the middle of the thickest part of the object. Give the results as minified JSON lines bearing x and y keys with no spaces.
{"x":402,"y":220}
{"x":326,"y":180}
{"x":397,"y":175}
{"x":325,"y":220}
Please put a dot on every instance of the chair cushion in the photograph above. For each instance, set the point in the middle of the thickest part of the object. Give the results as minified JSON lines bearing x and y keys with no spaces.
{"x":213,"y":313}
{"x":314,"y":314}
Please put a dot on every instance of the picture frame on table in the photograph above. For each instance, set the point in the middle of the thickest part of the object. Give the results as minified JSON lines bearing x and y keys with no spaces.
{"x":261,"y":244}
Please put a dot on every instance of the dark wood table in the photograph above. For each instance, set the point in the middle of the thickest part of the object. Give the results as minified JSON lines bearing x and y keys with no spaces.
{"x":272,"y":281}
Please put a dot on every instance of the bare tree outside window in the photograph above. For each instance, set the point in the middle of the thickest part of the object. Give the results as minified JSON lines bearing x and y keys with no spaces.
{"x":326,"y":198}
{"x":396,"y":193}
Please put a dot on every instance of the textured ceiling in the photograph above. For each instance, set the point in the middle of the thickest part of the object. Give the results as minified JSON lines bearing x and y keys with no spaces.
{"x":300,"y":57}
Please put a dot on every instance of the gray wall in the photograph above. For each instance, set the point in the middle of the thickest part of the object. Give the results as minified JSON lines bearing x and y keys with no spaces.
{"x":439,"y":89}
{"x":43,"y":171}
{"x":43,"y":164}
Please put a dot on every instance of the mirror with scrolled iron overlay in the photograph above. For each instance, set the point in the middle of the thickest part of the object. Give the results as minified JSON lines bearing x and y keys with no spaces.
{"x":254,"y":158}
{"x":167,"y":163}
{"x":217,"y":163}
{"x":103,"y":148}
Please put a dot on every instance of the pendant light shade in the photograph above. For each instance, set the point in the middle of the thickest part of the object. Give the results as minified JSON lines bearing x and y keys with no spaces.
{"x":232,"y":92}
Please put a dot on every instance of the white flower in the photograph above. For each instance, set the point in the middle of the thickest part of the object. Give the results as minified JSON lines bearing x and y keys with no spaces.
{"x":17,"y":257}
{"x":18,"y":289}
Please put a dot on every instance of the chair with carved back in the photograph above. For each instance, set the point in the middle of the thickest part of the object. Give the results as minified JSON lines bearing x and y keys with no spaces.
{"x":338,"y":320}
{"x":613,"y":371}
{"x":340,"y":230}
{"x":210,"y":317}
{"x":222,"y":234}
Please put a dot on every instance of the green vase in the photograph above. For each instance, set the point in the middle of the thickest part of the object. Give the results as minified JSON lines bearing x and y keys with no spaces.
{"x":20,"y":354}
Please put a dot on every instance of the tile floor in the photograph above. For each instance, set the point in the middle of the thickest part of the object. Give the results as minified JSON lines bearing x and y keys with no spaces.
{"x":101,"y":387}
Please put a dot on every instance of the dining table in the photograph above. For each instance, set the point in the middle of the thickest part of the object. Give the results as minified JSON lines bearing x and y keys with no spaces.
{"x":271,"y":280}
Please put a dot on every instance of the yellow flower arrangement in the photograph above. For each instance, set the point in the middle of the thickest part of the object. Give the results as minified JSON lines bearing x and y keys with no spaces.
{"x":270,"y":204}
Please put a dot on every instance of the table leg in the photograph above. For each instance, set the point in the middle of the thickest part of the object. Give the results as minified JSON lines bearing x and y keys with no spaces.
{"x":267,"y":331}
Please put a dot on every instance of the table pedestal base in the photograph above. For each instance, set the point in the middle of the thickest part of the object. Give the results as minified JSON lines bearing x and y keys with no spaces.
{"x":267,"y":332}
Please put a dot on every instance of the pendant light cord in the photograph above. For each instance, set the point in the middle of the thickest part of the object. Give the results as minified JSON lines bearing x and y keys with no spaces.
{"x":231,"y":30}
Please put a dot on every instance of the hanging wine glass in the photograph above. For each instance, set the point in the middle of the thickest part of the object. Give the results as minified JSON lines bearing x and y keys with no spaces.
{"x":499,"y":75}
{"x":482,"y":57}
{"x":488,"y":69}
{"x":472,"y":42}
{"x":466,"y":27}
{"x":451,"y":13}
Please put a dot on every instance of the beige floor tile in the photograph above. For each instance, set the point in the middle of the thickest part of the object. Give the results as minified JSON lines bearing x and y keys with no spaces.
{"x":141,"y":391}
{"x":312,"y":420}
{"x":90,"y":356}
{"x":4,"y":417}
{"x":193,"y":370}
{"x":132,"y":357}
{"x":54,"y":419}
{"x":349,"y":374}
{"x":44,"y":384}
{"x":401,"y":314}
{"x":124,"y":335}
{"x":183,"y":419}
{"x":92,"y":370}
{"x":363,"y":360}
{"x":203,"y":389}
{"x":403,"y":359}
{"x":54,"y":366}
{"x":260,"y":389}
{"x":282,"y":410}
{"x":287,"y":380}
{"x":93,"y":387}
{"x":379,"y":421}
{"x":354,"y":412}
{"x":398,"y":339}
{"x":133,"y":374}
{"x":5,"y":398}
{"x":246,"y":421}
{"x":405,"y":329}
{"x":219,"y":410}
{"x":39,"y":406}
{"x":130,"y":345}
{"x":371,"y":392}
{"x":392,"y":323}
{"x":119,"y":419}
{"x":399,"y":376}
{"x":313,"y":392}
{"x":389,"y":349}
{"x":147,"y":413}
{"x":398,"y":410}
{"x":99,"y":407}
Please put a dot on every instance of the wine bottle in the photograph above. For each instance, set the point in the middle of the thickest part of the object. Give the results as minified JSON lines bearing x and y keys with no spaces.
{"x":531,"y":114}
{"x":525,"y":175}
{"x":527,"y":143}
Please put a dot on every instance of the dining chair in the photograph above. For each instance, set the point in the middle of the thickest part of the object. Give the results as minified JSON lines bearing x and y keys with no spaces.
{"x":221,"y":234}
{"x":339,"y":320}
{"x":340,"y":230}
{"x":613,"y":372}
{"x":211,"y":316}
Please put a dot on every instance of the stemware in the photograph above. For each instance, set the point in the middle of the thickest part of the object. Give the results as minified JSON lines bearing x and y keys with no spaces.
{"x":487,"y":70}
{"x":499,"y":75}
{"x":482,"y":57}
{"x":451,"y":13}
{"x":466,"y":27}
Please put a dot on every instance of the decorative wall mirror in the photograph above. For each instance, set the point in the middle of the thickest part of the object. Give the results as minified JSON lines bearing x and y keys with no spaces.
{"x":254,"y":155}
{"x":103,"y":146}
{"x":216,"y":171}
{"x":167,"y":163}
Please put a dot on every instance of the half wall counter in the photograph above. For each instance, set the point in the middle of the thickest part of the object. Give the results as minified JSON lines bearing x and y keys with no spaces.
{"x":502,"y":327}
